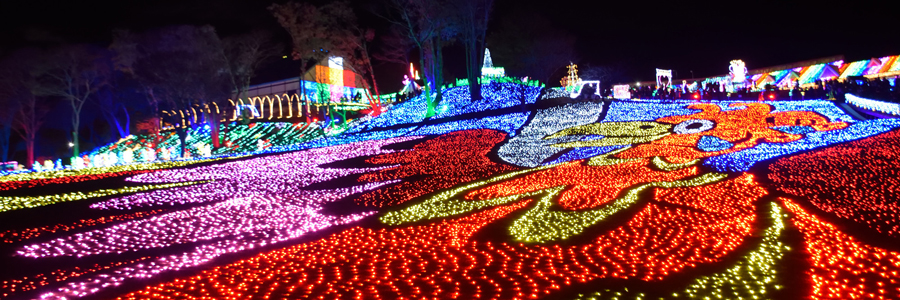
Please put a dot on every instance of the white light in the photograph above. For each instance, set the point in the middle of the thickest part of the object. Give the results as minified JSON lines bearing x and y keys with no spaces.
{"x":336,"y":62}
{"x":621,"y":91}
{"x":738,"y":71}
{"x":660,"y":73}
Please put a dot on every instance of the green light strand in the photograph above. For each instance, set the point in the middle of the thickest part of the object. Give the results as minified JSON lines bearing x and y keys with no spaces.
{"x":8,"y":203}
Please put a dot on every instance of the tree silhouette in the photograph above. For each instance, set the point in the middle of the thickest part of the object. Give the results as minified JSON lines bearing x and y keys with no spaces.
{"x":24,"y":111}
{"x":75,"y":73}
{"x":309,"y":30}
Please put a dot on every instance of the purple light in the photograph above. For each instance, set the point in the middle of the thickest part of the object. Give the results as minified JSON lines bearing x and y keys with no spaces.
{"x":255,"y":202}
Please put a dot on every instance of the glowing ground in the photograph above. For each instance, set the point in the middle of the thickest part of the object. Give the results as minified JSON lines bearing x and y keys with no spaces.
{"x":489,"y":200}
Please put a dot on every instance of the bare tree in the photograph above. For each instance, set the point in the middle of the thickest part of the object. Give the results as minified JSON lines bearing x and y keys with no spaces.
{"x":472,"y":18}
{"x":427,"y":25}
{"x":74,"y":73}
{"x":180,"y":67}
{"x":245,"y":54}
{"x":351,"y":41}
{"x":309,"y":30}
{"x":393,"y":47}
{"x":24,"y":110}
{"x":126,"y":48}
{"x":111,"y":107}
{"x":10,"y":92}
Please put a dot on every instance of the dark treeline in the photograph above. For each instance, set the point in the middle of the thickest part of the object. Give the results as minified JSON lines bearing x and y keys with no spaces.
{"x":64,"y":98}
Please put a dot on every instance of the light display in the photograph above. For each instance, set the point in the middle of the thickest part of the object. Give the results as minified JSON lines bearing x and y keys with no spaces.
{"x":843,"y":267}
{"x":571,"y":80}
{"x":823,"y":177}
{"x":8,"y":203}
{"x":873,"y":105}
{"x":11,"y":236}
{"x":530,"y":149}
{"x":754,"y":276}
{"x":622,"y":91}
{"x":738,"y":71}
{"x":660,"y":74}
{"x":237,"y":140}
{"x":487,"y":200}
{"x":21,"y":180}
{"x":488,"y":69}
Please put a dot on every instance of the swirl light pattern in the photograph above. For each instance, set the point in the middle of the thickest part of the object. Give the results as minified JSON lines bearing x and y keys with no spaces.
{"x":586,"y":200}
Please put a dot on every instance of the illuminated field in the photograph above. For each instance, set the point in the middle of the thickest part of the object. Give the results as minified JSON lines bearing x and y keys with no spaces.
{"x":586,"y":200}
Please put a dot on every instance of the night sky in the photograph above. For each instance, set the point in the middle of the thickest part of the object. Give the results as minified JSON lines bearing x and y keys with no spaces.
{"x":698,"y":37}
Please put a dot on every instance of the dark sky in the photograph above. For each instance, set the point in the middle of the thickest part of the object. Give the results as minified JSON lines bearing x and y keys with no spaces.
{"x":699,"y":36}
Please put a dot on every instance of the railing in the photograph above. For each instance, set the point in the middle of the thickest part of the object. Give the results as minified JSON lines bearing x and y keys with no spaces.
{"x":873,"y":105}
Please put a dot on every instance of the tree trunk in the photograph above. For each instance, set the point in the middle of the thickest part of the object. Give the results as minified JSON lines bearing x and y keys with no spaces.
{"x":29,"y":151}
{"x":127,"y":122}
{"x":213,"y":121}
{"x":5,"y":134}
{"x":303,"y":89}
{"x":75,"y":150}
{"x":474,"y":71}
{"x":439,"y":71}
{"x":429,"y":107}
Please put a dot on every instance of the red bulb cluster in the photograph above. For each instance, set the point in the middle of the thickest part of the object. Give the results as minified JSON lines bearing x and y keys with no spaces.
{"x":28,"y":283}
{"x":843,"y":267}
{"x":434,"y":165}
{"x":11,"y":236}
{"x":588,"y":186}
{"x":444,"y":260}
{"x":11,"y":185}
{"x":859,"y":180}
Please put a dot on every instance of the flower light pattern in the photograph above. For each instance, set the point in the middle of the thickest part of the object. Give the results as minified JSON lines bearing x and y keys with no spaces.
{"x":530,"y":149}
{"x":616,"y":200}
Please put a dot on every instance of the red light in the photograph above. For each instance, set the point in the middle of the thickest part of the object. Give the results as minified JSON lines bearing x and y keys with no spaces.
{"x":696,"y":96}
{"x":771,"y":96}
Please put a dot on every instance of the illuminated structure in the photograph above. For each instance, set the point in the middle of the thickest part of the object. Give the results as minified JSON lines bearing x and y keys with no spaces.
{"x":805,"y":73}
{"x":488,"y":69}
{"x":738,"y":71}
{"x":660,"y":74}
{"x":622,"y":91}
{"x":571,"y":80}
